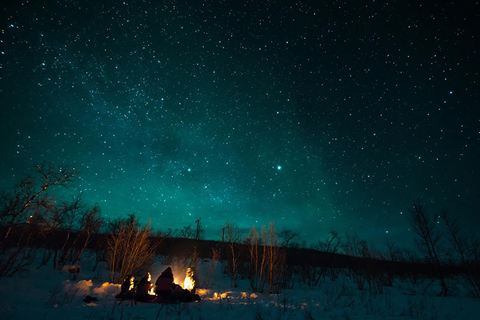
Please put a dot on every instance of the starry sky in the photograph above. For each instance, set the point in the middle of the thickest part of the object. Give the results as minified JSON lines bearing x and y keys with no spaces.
{"x":316,"y":115}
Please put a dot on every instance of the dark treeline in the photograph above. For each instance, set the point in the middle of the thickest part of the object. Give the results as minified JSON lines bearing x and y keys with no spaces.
{"x":185,"y":247}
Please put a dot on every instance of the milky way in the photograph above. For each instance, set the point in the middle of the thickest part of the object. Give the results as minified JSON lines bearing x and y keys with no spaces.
{"x":316,"y":115}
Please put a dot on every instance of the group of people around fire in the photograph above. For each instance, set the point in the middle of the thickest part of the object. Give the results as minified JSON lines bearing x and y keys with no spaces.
{"x":165,"y":289}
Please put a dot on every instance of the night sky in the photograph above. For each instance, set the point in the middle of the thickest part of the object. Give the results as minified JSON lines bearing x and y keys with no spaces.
{"x":316,"y":115}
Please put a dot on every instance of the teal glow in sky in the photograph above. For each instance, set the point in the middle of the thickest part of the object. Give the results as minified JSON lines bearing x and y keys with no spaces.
{"x":314,"y":116}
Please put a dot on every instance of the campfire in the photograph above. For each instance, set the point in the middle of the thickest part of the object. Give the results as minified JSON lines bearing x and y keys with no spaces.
{"x":132,"y":283}
{"x":151,"y":291}
{"x":189,"y":282}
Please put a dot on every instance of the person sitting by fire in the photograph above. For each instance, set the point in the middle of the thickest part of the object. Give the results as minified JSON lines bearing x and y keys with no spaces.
{"x":127,"y":288}
{"x":144,"y":291}
{"x":168,"y":291}
{"x":184,"y":295}
{"x":164,"y":286}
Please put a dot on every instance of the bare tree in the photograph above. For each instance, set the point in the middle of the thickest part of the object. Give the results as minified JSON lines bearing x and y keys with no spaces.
{"x":456,"y":237}
{"x":287,"y":235}
{"x":331,"y":243}
{"x":29,"y":204}
{"x":129,"y":251}
{"x":257,"y":252}
{"x":232,"y":236}
{"x":222,"y":234}
{"x":90,"y":223}
{"x":47,"y":219}
{"x":460,"y":243}
{"x":187,"y":232}
{"x":70,"y":222}
{"x":353,"y":245}
{"x":275,"y":256}
{"x":31,"y":195}
{"x":21,"y":254}
{"x":428,"y":239}
{"x":394,"y":253}
{"x":199,"y":231}
{"x":50,"y":219}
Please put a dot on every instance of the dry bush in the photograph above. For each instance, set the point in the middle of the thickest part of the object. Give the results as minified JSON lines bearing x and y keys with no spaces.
{"x":129,"y":251}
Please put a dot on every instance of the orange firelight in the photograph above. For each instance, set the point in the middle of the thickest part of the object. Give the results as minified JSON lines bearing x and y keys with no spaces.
{"x":189,"y":282}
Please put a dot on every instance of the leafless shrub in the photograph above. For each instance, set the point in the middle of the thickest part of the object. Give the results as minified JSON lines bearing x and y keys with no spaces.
{"x":257,"y":253}
{"x":233,"y":236}
{"x":332,"y":243}
{"x":15,"y":258}
{"x":428,"y":239}
{"x":275,"y":257}
{"x":267,"y":259}
{"x":90,"y":223}
{"x":129,"y":251}
{"x":353,"y":245}
{"x":287,"y":235}
{"x":466,"y":251}
{"x":70,"y":218}
{"x":394,"y":253}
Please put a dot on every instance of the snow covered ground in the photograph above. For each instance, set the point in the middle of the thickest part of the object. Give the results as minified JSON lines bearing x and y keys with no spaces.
{"x":51,"y":294}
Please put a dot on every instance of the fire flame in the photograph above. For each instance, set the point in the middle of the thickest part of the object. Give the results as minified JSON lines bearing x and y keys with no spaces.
{"x":189,"y":282}
{"x":151,"y":291}
{"x":132,"y":284}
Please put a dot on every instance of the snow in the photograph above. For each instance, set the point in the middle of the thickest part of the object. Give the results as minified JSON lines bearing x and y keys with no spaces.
{"x":44,"y":293}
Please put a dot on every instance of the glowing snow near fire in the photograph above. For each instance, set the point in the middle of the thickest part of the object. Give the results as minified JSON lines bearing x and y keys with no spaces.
{"x":222,"y":295}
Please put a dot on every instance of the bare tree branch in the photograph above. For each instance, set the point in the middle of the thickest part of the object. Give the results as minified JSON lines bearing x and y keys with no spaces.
{"x":30,"y":195}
